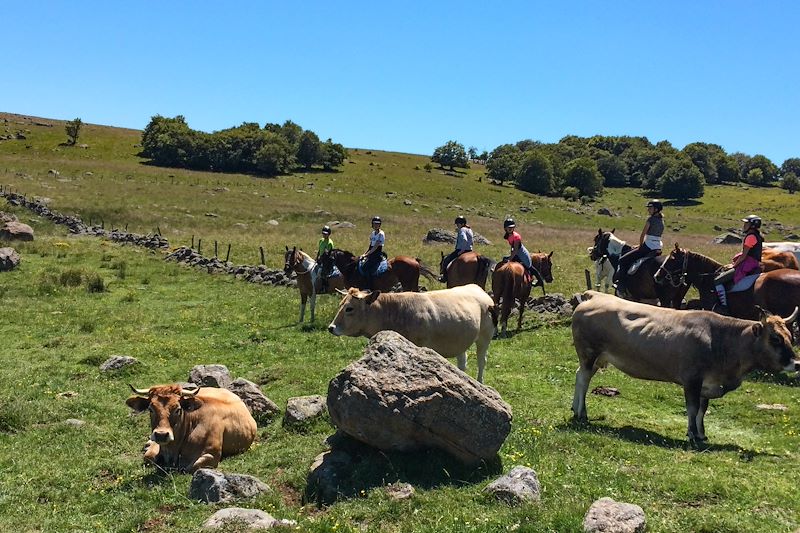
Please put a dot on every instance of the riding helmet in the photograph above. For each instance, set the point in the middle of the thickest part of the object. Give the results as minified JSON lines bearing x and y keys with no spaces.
{"x":460,"y":219}
{"x":376,"y":219}
{"x":326,"y":230}
{"x":754,"y":220}
{"x":655,"y":204}
{"x":509,"y":223}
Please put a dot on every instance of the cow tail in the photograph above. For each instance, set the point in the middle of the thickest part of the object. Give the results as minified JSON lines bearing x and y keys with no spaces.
{"x":425,"y":271}
{"x":493,"y":314}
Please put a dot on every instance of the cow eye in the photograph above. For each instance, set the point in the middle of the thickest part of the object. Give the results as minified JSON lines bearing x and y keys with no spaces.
{"x":348,"y":309}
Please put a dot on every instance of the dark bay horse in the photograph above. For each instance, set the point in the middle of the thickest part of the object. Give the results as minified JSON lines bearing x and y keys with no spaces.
{"x":469,"y":267}
{"x":402,"y":269}
{"x":309,"y":278}
{"x":777,"y":291}
{"x":641,"y":286}
{"x":510,"y":283}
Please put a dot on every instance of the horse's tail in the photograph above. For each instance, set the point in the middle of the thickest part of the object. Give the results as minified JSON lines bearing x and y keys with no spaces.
{"x":425,"y":271}
{"x":484,"y":266}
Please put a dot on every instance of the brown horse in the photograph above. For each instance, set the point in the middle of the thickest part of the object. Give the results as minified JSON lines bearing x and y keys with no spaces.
{"x":469,"y":267}
{"x":778,"y":291}
{"x":402,"y":269}
{"x":510,"y":283}
{"x":309,"y":278}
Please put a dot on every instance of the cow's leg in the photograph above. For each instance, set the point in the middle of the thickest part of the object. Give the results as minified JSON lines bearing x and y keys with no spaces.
{"x":151,"y":450}
{"x":582,"y":378}
{"x":482,"y":350}
{"x":701,"y":413}
{"x":207,"y":460}
{"x":691,"y":392}
{"x":462,"y":361}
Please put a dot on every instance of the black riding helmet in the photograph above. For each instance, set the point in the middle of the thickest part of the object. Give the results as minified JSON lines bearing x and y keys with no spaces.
{"x":326,"y":230}
{"x":655,"y":204}
{"x":509,"y":223}
{"x":376,"y":219}
{"x":460,"y":219}
{"x":754,"y":220}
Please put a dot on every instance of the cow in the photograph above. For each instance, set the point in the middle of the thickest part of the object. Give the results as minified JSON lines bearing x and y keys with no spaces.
{"x":775,"y":260}
{"x":448,"y":321}
{"x":706,"y":353}
{"x":193,"y":427}
{"x":786,"y":246}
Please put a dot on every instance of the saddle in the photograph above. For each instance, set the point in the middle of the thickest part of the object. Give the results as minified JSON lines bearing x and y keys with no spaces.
{"x":382,"y":268}
{"x":746,"y":283}
{"x":642,"y":260}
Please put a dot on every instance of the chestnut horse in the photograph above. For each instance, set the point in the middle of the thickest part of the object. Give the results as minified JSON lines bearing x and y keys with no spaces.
{"x":402,"y":269}
{"x":778,"y":291}
{"x":309,"y":280}
{"x":510,"y":283}
{"x":469,"y":267}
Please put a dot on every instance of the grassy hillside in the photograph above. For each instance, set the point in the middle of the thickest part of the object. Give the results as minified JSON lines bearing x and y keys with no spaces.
{"x":60,"y":478}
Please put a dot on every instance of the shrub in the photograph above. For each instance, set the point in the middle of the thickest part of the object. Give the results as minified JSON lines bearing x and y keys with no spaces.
{"x":536,"y":174}
{"x":571,"y":193}
{"x":791,"y":182}
{"x":95,"y":283}
{"x":582,"y":174}
{"x":71,"y":277}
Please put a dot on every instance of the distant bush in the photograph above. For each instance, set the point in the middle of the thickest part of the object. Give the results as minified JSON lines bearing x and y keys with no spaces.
{"x":791,"y":182}
{"x":94,"y":283}
{"x":571,"y":193}
{"x":73,"y":129}
{"x":71,"y":277}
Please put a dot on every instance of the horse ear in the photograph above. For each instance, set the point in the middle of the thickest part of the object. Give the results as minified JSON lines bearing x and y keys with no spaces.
{"x":677,"y":247}
{"x":613,"y":230}
{"x":599,"y":231}
{"x":287,"y":248}
{"x":294,"y":248}
{"x":550,"y":254}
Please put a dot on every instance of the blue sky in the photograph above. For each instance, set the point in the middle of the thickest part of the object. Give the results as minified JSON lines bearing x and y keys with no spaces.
{"x":408,"y":76}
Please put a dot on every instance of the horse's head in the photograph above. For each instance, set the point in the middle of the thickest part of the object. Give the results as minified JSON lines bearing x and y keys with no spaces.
{"x":290,"y":259}
{"x":544,"y":264}
{"x":673,"y":269}
{"x":600,"y":247}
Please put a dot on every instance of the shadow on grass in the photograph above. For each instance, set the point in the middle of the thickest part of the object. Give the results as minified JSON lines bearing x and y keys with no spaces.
{"x":778,"y":379}
{"x":352,"y":469}
{"x":650,"y":438}
{"x":682,"y":203}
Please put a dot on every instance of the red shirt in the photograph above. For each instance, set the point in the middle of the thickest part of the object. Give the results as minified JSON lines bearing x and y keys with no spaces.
{"x":514,"y":238}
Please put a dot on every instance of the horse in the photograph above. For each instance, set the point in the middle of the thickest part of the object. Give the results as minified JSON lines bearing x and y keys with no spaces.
{"x":309,"y":280}
{"x":510,"y":282}
{"x":777,"y":291}
{"x":469,"y":267}
{"x":641,"y":285}
{"x":402,"y":269}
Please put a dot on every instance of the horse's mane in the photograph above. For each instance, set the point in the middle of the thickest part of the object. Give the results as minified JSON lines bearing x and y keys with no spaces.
{"x":618,"y":243}
{"x":706,"y":263}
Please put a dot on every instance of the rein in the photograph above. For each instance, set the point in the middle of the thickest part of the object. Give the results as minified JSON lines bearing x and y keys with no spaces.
{"x":674,"y":280}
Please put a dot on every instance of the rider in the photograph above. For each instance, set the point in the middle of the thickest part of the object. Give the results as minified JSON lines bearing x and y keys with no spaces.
{"x":649,"y":241}
{"x":463,"y":244}
{"x":745,"y":263}
{"x":518,"y":251}
{"x":374,"y":255}
{"x":325,"y":245}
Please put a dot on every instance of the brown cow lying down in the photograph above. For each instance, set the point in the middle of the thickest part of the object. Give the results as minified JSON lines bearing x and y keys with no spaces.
{"x":193,"y":428}
{"x":706,"y":353}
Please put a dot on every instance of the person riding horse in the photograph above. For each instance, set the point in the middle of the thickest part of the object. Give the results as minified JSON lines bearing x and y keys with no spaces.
{"x":325,"y":244}
{"x":463,"y":245}
{"x":374,"y":255}
{"x":745,"y":263}
{"x":649,"y":243}
{"x":518,"y":251}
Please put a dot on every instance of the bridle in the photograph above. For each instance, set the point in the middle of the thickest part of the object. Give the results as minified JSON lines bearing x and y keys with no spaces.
{"x":676,"y":278}
{"x":292,"y":255}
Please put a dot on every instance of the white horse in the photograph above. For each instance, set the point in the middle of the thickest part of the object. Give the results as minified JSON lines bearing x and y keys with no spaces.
{"x":606,"y":261}
{"x":308,"y":278}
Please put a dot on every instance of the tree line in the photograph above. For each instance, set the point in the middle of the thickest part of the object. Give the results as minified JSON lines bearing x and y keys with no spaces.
{"x":271,"y":150}
{"x":577,"y":167}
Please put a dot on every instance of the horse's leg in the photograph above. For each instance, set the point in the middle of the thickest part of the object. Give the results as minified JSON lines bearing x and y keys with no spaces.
{"x":303,"y":298}
{"x":313,"y":303}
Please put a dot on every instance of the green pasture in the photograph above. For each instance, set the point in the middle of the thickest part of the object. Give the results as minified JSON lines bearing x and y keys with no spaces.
{"x":54,"y":333}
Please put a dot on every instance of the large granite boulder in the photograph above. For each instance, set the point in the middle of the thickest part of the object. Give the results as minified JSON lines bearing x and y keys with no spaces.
{"x":262,"y":408}
{"x":608,"y":516}
{"x":727,"y":238}
{"x":400,"y":397}
{"x":16,"y":231}
{"x":211,"y":486}
{"x":9,"y":259}
{"x":520,"y":485}
{"x":302,"y":410}
{"x":239,"y":519}
{"x":446,"y":236}
{"x":211,"y":376}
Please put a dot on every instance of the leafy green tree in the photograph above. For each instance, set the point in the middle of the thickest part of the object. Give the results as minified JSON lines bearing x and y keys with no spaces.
{"x":472,"y":152}
{"x":755,"y":176}
{"x":639,"y":162}
{"x":769,"y":171}
{"x":791,"y":165}
{"x":309,"y":149}
{"x":484,"y":156}
{"x":73,"y":129}
{"x":451,"y":154}
{"x":702,"y":155}
{"x":791,"y":182}
{"x":275,"y":156}
{"x":583,"y":174}
{"x":657,"y":170}
{"x":536,"y":173}
{"x":333,"y":154}
{"x":614,"y":171}
{"x":503,"y":163}
{"x":168,"y":141}
{"x":727,"y":168}
{"x":681,"y":180}
{"x":528,"y":144}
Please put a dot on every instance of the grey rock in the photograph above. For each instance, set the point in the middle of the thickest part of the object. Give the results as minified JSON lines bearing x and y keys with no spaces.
{"x":792,"y":237}
{"x":9,"y":259}
{"x":116,"y":362}
{"x":399,"y":491}
{"x":520,"y":485}
{"x":727,"y":238}
{"x":212,"y":215}
{"x":74,"y":422}
{"x":249,"y":519}
{"x":408,"y":202}
{"x":341,"y":225}
{"x":16,"y":231}
{"x":273,"y":222}
{"x":447,"y":236}
{"x":607,"y":516}
{"x":328,"y":476}
{"x":7,"y":217}
{"x":211,"y":376}
{"x":262,"y":408}
{"x":400,"y":397}
{"x":524,"y":209}
{"x":303,"y":409}
{"x":211,"y":486}
{"x":605,"y":211}
{"x":717,"y":227}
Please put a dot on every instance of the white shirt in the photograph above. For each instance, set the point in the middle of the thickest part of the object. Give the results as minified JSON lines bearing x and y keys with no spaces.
{"x":377,"y":239}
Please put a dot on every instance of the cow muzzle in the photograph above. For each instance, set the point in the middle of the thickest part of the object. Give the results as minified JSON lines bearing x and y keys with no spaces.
{"x":162,"y":437}
{"x":333,"y":329}
{"x":794,"y":366}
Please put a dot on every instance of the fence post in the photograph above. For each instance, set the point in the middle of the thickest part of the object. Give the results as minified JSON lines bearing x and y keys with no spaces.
{"x":215,"y":248}
{"x":261,"y":248}
{"x":159,"y":231}
{"x":192,"y":242}
{"x":228,"y":255}
{"x":588,"y":279}
{"x":199,"y":241}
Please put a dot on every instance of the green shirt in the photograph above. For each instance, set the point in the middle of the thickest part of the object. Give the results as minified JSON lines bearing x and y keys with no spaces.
{"x":324,"y":246}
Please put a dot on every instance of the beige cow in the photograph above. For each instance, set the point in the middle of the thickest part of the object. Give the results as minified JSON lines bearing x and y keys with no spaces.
{"x":706,"y":353}
{"x":193,"y":428}
{"x":448,"y":321}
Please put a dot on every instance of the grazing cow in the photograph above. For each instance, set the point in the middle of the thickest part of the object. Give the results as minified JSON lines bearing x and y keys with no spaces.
{"x":786,"y":246}
{"x":706,"y":353}
{"x":447,"y":321}
{"x":193,"y":428}
{"x":775,"y":260}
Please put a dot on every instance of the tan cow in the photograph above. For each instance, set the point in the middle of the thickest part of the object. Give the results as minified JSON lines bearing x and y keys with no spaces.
{"x":448,"y":321}
{"x":193,"y":428}
{"x":775,"y":260}
{"x":706,"y":353}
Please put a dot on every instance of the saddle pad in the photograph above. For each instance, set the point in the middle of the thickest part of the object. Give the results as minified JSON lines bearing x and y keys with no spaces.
{"x":745,"y":283}
{"x":383,"y":266}
{"x":636,"y":264}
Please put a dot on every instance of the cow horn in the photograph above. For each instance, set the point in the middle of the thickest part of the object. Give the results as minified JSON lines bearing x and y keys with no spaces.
{"x":190,"y":392}
{"x":139,"y":392}
{"x":343,"y":293}
{"x":791,"y":318}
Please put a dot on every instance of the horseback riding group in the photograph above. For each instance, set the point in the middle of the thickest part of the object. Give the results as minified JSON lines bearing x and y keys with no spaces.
{"x":757,"y":276}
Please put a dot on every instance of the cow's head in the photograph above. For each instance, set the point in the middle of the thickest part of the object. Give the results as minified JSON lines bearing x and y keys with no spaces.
{"x":167,"y":405}
{"x":544,"y":264}
{"x":351,"y":317}
{"x":774,"y":341}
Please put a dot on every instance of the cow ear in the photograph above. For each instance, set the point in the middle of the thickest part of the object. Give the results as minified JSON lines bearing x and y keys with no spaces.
{"x":371,"y":297}
{"x":189,"y":403}
{"x":550,"y":254}
{"x":758,"y":329}
{"x":138,"y":404}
